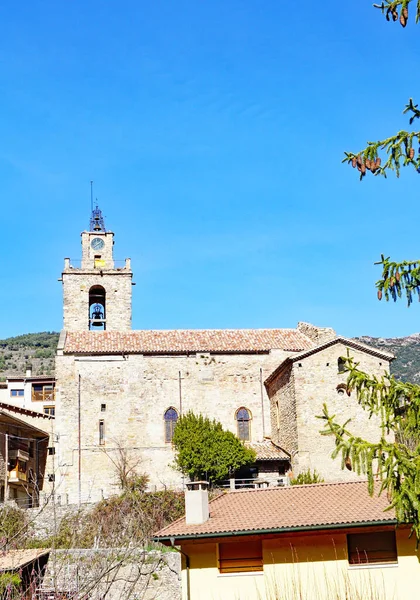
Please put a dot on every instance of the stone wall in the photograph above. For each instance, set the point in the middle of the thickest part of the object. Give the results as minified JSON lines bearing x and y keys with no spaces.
{"x":117,"y":285}
{"x":283,"y":410}
{"x":114,"y":574}
{"x":130,"y":394}
{"x":316,"y":378}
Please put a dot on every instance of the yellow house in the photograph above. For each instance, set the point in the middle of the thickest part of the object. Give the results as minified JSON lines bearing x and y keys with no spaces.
{"x":328,"y":541}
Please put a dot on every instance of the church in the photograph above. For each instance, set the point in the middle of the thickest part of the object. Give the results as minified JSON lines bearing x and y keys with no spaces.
{"x":119,"y":392}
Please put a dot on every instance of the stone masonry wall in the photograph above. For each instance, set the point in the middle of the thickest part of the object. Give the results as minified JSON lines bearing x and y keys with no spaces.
{"x":283,"y":410}
{"x":316,"y":378}
{"x":118,"y":288}
{"x":136,"y":391}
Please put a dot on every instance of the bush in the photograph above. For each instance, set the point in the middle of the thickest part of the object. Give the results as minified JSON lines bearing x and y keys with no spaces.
{"x":13,"y":526}
{"x":126,"y":520}
{"x":306,"y":478}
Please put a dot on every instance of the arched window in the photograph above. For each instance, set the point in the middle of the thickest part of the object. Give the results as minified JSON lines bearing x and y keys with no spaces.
{"x":243,"y":418}
{"x":97,"y":308}
{"x":171,"y":417}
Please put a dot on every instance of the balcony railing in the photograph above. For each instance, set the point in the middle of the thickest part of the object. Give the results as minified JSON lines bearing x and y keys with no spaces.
{"x":43,"y":395}
{"x":16,"y":475}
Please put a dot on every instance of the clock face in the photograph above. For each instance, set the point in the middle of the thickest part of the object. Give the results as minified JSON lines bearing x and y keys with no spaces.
{"x":97,"y":244}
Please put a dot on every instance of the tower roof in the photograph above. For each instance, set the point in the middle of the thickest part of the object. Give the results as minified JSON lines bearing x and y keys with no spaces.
{"x":97,"y":222}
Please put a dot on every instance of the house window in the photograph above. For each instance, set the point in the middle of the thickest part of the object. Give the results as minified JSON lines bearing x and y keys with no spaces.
{"x":101,"y":432}
{"x":243,"y":418}
{"x":17,"y":393}
{"x":239,"y":557}
{"x":171,"y":417}
{"x":103,"y":407}
{"x":49,"y":410}
{"x":43,"y":392}
{"x":372,"y":548}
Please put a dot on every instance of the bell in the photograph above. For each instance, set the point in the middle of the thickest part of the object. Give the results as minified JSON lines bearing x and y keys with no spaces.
{"x":97,"y":314}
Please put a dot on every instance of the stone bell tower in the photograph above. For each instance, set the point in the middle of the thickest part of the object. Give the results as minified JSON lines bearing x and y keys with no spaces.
{"x":97,"y":290}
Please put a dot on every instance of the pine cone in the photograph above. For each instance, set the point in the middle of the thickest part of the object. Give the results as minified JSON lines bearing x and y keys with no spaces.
{"x":403,"y":20}
{"x":359,"y":161}
{"x":411,"y":153}
{"x":379,"y":294}
{"x":363,"y":169}
{"x":353,"y":162}
{"x":405,"y":13}
{"x":347,"y":462}
{"x":397,"y":276}
{"x":394,"y":14}
{"x":378,"y":162}
{"x":368,"y":164}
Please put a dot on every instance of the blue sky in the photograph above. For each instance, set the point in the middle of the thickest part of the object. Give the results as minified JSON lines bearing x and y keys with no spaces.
{"x":214,"y":133}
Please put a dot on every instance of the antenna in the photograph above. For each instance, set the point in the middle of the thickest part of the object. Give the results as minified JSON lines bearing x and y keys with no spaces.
{"x":91,"y":196}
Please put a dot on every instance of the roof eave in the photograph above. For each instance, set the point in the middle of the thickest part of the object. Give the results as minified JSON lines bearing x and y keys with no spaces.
{"x":280,"y":530}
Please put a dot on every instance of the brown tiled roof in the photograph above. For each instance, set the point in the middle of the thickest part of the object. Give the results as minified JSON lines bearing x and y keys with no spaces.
{"x":283,"y":509}
{"x":268,"y":450}
{"x":185,"y":341}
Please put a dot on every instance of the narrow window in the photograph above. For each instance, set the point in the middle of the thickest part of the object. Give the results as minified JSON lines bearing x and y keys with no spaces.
{"x":372,"y":548}
{"x":243,"y":419}
{"x":240,"y":557}
{"x":103,"y":407}
{"x":49,"y":410}
{"x":101,"y":432}
{"x":341,"y":363}
{"x":171,"y":417}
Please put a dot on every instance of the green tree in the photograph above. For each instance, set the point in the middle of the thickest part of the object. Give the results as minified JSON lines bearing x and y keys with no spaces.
{"x":395,"y":458}
{"x":204,"y":450}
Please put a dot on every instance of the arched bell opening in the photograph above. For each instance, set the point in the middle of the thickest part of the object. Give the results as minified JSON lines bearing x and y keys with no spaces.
{"x":97,"y":304}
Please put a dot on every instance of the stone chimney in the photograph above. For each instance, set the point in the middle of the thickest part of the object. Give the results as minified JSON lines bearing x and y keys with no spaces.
{"x":197,"y":503}
{"x":28,"y":371}
{"x":319,"y":335}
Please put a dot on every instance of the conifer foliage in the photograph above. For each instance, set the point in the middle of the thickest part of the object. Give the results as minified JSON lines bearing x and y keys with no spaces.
{"x":394,"y":460}
{"x":401,"y":149}
{"x":204,"y":450}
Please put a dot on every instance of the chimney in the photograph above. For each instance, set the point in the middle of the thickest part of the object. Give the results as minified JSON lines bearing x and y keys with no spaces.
{"x":197,"y":503}
{"x":28,"y":371}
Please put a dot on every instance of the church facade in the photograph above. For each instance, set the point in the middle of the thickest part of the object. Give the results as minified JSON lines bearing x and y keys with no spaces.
{"x":119,"y":392}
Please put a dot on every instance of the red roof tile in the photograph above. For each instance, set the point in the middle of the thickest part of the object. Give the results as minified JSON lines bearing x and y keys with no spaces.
{"x":287,"y":508}
{"x":185,"y":341}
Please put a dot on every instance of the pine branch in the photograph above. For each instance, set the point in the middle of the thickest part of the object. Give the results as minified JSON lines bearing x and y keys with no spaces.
{"x":390,"y":9}
{"x":398,"y":278}
{"x":393,"y":464}
{"x":399,"y":149}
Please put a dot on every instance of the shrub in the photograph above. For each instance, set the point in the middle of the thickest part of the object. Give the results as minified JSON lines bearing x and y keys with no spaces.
{"x":306,"y":478}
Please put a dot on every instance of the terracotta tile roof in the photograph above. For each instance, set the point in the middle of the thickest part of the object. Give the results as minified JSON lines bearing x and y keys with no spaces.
{"x":185,"y":340}
{"x":287,"y":508}
{"x":268,"y":450}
